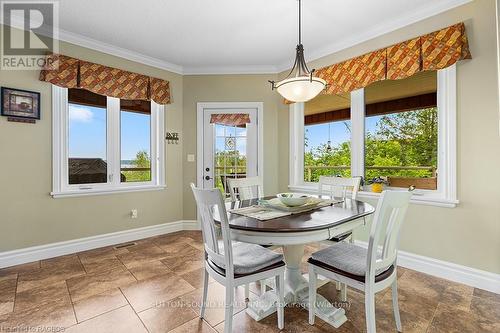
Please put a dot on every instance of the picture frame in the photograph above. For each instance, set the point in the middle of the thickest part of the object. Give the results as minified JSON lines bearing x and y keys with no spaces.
{"x":20,"y":104}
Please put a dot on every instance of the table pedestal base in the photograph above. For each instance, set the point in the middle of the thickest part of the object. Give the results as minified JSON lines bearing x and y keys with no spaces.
{"x":296,"y":292}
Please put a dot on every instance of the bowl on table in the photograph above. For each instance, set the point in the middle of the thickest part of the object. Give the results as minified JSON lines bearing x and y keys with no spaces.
{"x":293,"y":199}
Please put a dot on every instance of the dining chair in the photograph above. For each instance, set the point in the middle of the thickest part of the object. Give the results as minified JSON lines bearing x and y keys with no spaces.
{"x":231,"y":263}
{"x":245,"y":188}
{"x":368,"y":270}
{"x":339,"y":187}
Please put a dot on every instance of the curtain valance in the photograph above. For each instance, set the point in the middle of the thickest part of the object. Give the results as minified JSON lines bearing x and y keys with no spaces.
{"x":437,"y":50}
{"x":230,"y":119}
{"x":69,"y":72}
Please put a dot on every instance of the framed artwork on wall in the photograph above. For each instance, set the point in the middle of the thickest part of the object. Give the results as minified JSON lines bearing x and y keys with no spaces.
{"x":20,"y":105}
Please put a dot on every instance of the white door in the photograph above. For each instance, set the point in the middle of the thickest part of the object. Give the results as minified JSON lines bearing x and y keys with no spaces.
{"x":229,"y":150}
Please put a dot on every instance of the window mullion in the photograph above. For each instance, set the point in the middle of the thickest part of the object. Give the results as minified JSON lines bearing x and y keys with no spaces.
{"x":113,"y":140}
{"x":447,"y":123}
{"x":358,"y":133}
{"x":297,"y":143}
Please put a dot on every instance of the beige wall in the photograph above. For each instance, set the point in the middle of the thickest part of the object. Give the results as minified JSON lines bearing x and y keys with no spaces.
{"x":231,"y":88}
{"x":30,"y":216}
{"x":469,"y":234}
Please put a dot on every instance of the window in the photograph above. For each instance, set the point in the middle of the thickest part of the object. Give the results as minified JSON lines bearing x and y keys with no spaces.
{"x":104,"y":144}
{"x":327,"y":137}
{"x":403,"y":131}
{"x":87,"y":155}
{"x":230,"y":155}
{"x":135,"y":141}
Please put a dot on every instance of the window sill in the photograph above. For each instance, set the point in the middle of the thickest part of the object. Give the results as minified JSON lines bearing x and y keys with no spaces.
{"x":418,"y":198}
{"x":101,"y":191}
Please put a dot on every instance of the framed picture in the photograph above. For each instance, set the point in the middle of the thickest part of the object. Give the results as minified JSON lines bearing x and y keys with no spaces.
{"x":20,"y":103}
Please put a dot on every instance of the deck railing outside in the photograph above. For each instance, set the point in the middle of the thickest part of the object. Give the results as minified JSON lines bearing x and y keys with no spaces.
{"x":312,"y":172}
{"x":135,"y":174}
{"x":309,"y":169}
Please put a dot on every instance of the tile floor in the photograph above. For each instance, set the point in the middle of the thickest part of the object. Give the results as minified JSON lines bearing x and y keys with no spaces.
{"x":154,"y":286}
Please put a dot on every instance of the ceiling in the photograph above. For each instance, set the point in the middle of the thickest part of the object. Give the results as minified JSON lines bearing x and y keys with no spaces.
{"x":381,"y":91}
{"x":232,"y":36}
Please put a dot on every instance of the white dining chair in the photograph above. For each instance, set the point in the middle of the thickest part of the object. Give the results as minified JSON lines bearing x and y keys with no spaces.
{"x":339,"y":187}
{"x":245,"y":188}
{"x":368,"y":270}
{"x":231,"y":263}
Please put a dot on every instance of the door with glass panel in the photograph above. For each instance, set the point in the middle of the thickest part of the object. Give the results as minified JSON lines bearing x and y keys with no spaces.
{"x":230,"y":146}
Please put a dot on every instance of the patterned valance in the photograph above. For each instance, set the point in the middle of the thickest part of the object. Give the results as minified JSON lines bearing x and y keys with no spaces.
{"x":69,"y":72}
{"x":437,"y":50}
{"x":230,"y":119}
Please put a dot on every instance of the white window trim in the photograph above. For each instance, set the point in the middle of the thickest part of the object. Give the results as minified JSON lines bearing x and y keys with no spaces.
{"x":60,"y":186}
{"x":444,"y":196}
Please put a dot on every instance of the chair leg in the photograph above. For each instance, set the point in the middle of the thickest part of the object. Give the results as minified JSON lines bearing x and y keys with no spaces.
{"x":338,"y":286}
{"x":395,"y":305}
{"x":247,"y":291}
{"x":228,"y":313}
{"x":205,"y":292}
{"x":370,"y":312}
{"x":312,"y":294}
{"x":343,"y":292}
{"x":280,"y":290}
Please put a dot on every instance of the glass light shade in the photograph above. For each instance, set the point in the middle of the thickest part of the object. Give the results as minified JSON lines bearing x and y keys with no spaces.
{"x":301,"y":88}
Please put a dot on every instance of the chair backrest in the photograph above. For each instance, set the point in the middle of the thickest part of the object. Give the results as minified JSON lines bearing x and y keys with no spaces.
{"x":210,"y":203}
{"x":337,"y":186}
{"x":245,"y":188}
{"x":389,"y":215}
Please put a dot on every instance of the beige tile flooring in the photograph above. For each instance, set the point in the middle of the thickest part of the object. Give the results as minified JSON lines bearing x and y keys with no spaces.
{"x":154,"y":286}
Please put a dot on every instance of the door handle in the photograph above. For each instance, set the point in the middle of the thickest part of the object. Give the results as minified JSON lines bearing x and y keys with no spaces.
{"x":208,"y":178}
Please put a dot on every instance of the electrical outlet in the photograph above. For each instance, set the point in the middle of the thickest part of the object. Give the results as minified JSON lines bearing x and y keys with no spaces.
{"x":190,"y":158}
{"x":133,"y":213}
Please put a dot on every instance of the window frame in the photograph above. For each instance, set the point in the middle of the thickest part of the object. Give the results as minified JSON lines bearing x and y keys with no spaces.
{"x":446,"y":193}
{"x":60,"y":152}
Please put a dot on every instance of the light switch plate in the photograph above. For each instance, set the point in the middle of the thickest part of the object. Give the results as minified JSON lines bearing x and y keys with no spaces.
{"x":190,"y":158}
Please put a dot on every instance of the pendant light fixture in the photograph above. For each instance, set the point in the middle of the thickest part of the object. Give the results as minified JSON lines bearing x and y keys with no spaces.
{"x":300,"y":85}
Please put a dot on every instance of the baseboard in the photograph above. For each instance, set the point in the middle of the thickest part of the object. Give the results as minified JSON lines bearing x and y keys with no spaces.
{"x":462,"y":274}
{"x":21,"y":256}
{"x":443,"y":269}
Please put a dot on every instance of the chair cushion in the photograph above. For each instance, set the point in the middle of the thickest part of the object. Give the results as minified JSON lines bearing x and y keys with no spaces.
{"x":249,"y":258}
{"x":346,"y":257}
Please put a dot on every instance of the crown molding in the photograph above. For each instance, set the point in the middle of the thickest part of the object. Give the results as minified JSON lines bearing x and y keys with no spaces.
{"x":374,"y":32}
{"x":96,"y":45}
{"x":93,"y":44}
{"x":379,"y":30}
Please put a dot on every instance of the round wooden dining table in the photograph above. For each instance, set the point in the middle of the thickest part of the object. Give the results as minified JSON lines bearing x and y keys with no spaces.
{"x":293,"y":232}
